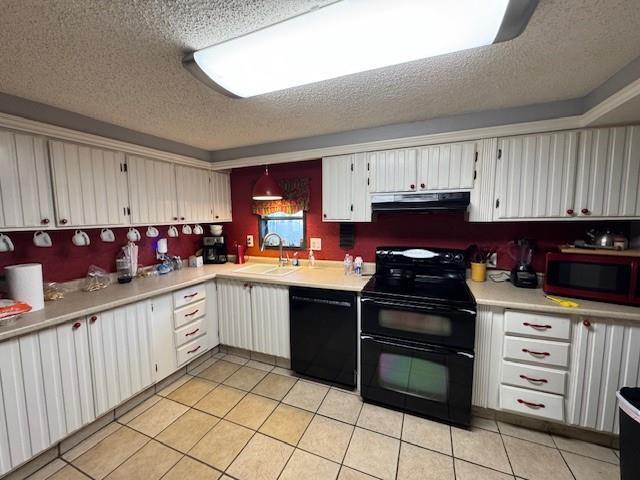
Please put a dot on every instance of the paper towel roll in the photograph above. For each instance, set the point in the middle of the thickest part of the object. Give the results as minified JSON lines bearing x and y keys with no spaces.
{"x":25,"y":284}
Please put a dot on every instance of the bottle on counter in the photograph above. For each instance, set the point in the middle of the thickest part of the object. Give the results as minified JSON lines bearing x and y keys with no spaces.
{"x":348,"y":264}
{"x":357,"y":265}
{"x":296,"y":261}
{"x":312,"y":258}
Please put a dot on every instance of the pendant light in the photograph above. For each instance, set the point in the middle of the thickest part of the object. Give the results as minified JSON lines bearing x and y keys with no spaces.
{"x":266,"y":188}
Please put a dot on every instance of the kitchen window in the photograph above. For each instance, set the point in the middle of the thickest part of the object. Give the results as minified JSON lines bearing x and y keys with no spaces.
{"x":290,"y":226}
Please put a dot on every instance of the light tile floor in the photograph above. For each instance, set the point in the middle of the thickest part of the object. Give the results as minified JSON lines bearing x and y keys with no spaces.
{"x":237,"y":419}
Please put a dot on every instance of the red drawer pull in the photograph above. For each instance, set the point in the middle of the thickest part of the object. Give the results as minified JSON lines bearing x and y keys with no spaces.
{"x":192,"y":333}
{"x":539,"y":354}
{"x":534,"y":380}
{"x":537,"y":325}
{"x":77,"y":325}
{"x":192,"y":313}
{"x":93,"y":319}
{"x":531,"y":404}
{"x":195,"y":349}
{"x":191,"y":296}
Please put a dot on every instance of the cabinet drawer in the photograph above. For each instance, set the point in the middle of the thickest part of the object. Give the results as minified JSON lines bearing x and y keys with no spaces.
{"x":191,"y":350}
{"x":536,"y":378}
{"x":190,"y":332}
{"x":537,"y":325}
{"x":543,"y":352}
{"x":189,"y":313}
{"x":188,"y":295}
{"x":539,"y":404}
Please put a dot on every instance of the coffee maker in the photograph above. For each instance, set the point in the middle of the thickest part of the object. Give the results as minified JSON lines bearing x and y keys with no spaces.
{"x":214,"y":250}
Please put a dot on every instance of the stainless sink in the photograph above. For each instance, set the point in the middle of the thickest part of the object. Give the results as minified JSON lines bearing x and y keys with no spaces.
{"x":261,"y":269}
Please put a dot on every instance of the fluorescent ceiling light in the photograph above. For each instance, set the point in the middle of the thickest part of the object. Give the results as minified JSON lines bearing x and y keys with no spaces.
{"x":352,"y":36}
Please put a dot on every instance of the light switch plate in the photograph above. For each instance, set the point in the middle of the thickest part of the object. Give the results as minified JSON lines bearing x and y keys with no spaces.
{"x":315,"y":244}
{"x":249,"y":240}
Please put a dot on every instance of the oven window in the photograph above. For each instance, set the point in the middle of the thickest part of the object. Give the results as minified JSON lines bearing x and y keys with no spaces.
{"x":413,"y":376}
{"x":415,"y":322}
{"x":591,"y":276}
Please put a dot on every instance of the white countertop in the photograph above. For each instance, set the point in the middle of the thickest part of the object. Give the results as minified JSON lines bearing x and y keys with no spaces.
{"x":79,"y":304}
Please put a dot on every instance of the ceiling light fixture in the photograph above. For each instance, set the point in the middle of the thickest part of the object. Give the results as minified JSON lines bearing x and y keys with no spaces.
{"x":266,"y":188}
{"x":351,"y":36}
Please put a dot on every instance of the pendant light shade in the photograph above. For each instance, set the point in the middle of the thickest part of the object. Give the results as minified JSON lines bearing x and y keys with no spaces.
{"x":266,"y":188}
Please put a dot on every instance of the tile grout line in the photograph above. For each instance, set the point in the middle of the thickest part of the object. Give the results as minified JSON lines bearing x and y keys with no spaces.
{"x":400,"y":447}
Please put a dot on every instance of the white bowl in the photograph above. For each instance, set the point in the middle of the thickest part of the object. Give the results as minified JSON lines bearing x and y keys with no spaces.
{"x":216,"y":230}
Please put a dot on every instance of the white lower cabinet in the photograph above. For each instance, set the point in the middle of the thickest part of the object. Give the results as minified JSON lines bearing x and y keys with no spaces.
{"x":46,"y":390}
{"x":162,"y":338}
{"x":254,"y":316}
{"x":605,"y":357}
{"x":122,"y":363}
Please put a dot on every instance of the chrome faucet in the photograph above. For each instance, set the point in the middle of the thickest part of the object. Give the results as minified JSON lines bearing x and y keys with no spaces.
{"x":281,"y":260}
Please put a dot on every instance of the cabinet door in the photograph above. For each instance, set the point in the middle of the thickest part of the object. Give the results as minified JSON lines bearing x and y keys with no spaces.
{"x":605,"y":357}
{"x":446,"y":167}
{"x":25,"y":183}
{"x":89,"y":184}
{"x":162,"y":339}
{"x":270,"y":319}
{"x":234,"y":312}
{"x":194,"y":197}
{"x":536,"y":176}
{"x":337,"y":202}
{"x":360,"y":197}
{"x":121,"y":354}
{"x":393,"y":170}
{"x":152,"y":190}
{"x":221,"y":195}
{"x":212,"y":315}
{"x":608,"y":172}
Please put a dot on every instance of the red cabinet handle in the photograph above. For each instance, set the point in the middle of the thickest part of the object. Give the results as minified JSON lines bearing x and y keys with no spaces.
{"x":77,"y":325}
{"x":530,"y":404}
{"x":195,"y":349}
{"x":570,"y":211}
{"x":45,"y":221}
{"x":175,"y":218}
{"x":219,"y":217}
{"x":192,"y":313}
{"x":586,"y":323}
{"x":422,"y":185}
{"x":585,"y":211}
{"x":534,"y":380}
{"x":192,"y":333}
{"x":537,"y":326}
{"x":93,"y":319}
{"x":413,"y":187}
{"x":539,"y":354}
{"x":181,"y":218}
{"x":63,"y":221}
{"x":190,"y":295}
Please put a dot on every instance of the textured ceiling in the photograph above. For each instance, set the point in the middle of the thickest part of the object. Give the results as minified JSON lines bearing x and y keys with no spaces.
{"x":119,"y":62}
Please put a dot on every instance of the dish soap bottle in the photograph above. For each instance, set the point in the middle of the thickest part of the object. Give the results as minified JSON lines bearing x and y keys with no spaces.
{"x":312,"y":258}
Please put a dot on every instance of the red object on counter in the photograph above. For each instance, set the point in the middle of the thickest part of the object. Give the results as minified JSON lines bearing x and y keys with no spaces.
{"x":240,"y":251}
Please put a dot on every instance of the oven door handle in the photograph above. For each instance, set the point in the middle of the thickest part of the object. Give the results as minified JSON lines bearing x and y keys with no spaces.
{"x":416,"y":306}
{"x":418,"y":349}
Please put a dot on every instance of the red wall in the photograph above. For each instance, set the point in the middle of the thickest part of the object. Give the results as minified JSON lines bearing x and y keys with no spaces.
{"x":436,"y":229}
{"x":64,"y":261}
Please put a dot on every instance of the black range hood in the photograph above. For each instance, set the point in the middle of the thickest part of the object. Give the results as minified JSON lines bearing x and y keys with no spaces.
{"x":419,"y":202}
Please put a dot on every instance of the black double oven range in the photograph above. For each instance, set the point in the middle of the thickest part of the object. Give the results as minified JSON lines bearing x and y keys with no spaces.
{"x":418,"y":333}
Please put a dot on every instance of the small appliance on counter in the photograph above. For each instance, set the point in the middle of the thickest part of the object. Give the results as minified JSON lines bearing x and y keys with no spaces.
{"x":603,"y":240}
{"x":214,"y":250}
{"x":522,"y":274}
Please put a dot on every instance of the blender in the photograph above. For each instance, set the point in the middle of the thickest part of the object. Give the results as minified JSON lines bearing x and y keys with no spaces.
{"x":522,"y":274}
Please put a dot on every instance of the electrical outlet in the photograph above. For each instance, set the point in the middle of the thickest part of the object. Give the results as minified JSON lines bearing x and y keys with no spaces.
{"x":492,"y":261}
{"x":315,"y":244}
{"x":249,"y":240}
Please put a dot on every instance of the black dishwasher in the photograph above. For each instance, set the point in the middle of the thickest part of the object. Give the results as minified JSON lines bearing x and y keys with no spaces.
{"x":324,"y":326}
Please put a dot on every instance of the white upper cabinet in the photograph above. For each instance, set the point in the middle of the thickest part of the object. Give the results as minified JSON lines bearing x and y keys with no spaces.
{"x":152,"y":191}
{"x":221,"y":195}
{"x":89,"y":185}
{"x":393,"y":170}
{"x":195,"y":204}
{"x":25,"y":186}
{"x":345,"y":192}
{"x":608,"y":173}
{"x":446,"y":167}
{"x":536,"y":176}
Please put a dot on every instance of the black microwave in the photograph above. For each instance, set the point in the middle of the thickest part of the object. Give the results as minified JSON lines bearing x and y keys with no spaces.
{"x":605,"y":278}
